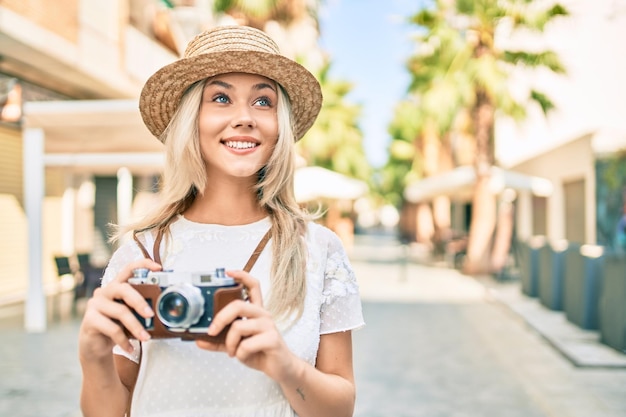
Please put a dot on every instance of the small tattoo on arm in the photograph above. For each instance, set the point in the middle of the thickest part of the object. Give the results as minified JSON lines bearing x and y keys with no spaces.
{"x":301,"y":392}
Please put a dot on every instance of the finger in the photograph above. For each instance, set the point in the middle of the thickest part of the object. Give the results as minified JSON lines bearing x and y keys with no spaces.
{"x":127,"y":272}
{"x":97,"y":324}
{"x":122,"y":318}
{"x":253,"y":286}
{"x":125,"y":293}
{"x":115,"y":332}
{"x":241,"y":330}
{"x":231,"y":312}
{"x":252,"y":345}
{"x":212,"y":346}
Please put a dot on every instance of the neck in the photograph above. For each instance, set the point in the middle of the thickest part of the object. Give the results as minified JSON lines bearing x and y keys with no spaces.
{"x":226,"y":205}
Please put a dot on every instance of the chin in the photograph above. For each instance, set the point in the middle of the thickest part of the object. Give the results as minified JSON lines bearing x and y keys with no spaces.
{"x":244,"y":174}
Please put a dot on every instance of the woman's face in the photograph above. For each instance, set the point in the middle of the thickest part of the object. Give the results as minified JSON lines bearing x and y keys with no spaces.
{"x":238,"y":124}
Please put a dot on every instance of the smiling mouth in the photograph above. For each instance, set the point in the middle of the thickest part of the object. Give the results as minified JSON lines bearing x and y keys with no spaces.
{"x":240,"y":145}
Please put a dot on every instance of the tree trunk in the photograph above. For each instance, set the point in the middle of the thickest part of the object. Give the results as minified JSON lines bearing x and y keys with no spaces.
{"x":483,"y":219}
{"x":482,"y":226}
{"x":433,"y":164}
{"x":503,"y":237}
{"x":424,"y":224}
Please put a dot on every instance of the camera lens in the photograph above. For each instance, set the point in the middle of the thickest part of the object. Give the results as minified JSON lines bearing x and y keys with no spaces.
{"x":180,"y":306}
{"x":174,"y":306}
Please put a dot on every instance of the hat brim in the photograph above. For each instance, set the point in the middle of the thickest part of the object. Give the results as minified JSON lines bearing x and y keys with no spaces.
{"x":163,"y":91}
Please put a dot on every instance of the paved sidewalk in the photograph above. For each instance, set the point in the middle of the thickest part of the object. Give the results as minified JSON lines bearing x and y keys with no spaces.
{"x":582,"y":347}
{"x":437,"y":344}
{"x":40,"y":372}
{"x":441,"y":344}
{"x":449,"y":356}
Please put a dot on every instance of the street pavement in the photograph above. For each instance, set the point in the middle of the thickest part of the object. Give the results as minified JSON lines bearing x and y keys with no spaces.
{"x":437,"y":343}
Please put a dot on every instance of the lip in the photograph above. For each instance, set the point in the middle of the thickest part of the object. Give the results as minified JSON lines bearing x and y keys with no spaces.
{"x":241,"y":144}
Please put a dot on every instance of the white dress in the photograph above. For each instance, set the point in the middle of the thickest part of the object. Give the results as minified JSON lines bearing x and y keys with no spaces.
{"x":178,"y":379}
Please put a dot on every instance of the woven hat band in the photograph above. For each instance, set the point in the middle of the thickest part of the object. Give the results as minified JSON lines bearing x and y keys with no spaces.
{"x":231,"y":40}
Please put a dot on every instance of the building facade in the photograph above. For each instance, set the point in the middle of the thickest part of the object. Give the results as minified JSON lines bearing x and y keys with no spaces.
{"x":76,"y":156}
{"x":586,"y":129}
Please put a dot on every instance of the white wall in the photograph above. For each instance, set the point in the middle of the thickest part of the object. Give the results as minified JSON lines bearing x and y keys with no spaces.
{"x":590,"y":97}
{"x":569,"y":162}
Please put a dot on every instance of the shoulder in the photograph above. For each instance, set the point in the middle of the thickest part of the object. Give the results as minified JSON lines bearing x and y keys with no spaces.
{"x":321,"y":235}
{"x":324,"y":244}
{"x":126,"y":253}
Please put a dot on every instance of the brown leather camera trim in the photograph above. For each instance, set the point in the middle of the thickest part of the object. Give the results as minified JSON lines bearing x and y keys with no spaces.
{"x":221,"y":298}
{"x":219,"y":301}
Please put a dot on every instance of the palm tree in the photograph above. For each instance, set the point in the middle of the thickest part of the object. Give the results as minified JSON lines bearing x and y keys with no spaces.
{"x":335,"y":141}
{"x":461,"y":51}
{"x":441,"y":93}
{"x":257,"y":13}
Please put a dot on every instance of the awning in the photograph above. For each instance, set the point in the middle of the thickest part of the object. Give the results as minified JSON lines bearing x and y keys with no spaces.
{"x":98,"y":136}
{"x":459,"y":183}
{"x":104,"y":137}
{"x":315,"y":183}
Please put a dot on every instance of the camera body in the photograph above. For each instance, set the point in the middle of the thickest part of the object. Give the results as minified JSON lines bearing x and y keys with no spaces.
{"x":184,"y":302}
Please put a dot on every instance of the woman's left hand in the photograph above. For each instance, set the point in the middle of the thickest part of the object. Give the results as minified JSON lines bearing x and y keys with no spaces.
{"x":254,"y":339}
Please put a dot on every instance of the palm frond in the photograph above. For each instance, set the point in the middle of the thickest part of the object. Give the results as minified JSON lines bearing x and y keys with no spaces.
{"x":547,"y":59}
{"x":544,"y":101}
{"x":537,"y":21}
{"x":425,"y":17}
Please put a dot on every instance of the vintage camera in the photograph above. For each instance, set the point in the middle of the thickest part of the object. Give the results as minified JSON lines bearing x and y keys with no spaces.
{"x":185,"y":302}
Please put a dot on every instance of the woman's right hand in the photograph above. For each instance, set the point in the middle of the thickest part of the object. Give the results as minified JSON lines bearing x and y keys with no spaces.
{"x":106,"y":317}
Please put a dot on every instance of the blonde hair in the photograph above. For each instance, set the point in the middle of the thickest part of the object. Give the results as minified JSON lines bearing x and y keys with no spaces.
{"x":184,"y":177}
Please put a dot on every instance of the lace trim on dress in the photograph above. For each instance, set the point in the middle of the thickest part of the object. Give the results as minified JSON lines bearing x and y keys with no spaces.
{"x":340,"y":280}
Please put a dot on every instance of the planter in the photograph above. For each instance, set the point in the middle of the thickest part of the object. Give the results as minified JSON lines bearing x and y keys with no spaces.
{"x":613,"y":303}
{"x":582,"y":284}
{"x":551,"y":272}
{"x":529,"y":265}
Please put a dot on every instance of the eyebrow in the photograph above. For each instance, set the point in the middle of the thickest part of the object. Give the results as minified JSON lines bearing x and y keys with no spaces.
{"x":259,"y":86}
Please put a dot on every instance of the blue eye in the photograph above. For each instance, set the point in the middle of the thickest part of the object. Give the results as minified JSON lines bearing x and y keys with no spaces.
{"x":221,"y":98}
{"x":264,"y":101}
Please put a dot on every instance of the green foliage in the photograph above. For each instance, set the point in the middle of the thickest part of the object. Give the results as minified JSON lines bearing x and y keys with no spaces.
{"x":615,"y":171}
{"x":404,"y":163}
{"x":547,"y":59}
{"x":455,"y":59}
{"x":255,"y":8}
{"x":544,"y":102}
{"x":537,"y":20}
{"x":335,"y":141}
{"x":407,"y":122}
{"x":425,"y":18}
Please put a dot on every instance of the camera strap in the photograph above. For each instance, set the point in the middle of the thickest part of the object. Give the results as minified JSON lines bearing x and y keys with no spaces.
{"x":159,"y":237}
{"x":157,"y":258}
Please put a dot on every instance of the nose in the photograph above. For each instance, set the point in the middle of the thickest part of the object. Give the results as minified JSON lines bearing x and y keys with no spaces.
{"x":243,"y":117}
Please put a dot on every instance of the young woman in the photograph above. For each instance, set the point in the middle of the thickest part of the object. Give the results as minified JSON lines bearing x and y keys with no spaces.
{"x":229,"y":113}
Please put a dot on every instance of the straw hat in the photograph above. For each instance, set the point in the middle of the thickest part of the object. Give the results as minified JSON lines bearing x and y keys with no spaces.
{"x":222,"y":50}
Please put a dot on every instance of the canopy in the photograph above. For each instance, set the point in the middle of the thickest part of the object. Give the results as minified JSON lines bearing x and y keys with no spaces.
{"x":94,"y":136}
{"x":314,"y":183}
{"x":460,"y":181}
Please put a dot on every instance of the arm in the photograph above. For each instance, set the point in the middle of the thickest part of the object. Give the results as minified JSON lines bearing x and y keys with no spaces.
{"x":324,"y":390}
{"x":328,"y":388}
{"x":104,"y":391}
{"x":128,"y":371}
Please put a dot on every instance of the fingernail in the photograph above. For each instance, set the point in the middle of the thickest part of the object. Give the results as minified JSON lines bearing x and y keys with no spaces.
{"x":211,"y":330}
{"x":148,"y":311}
{"x":144,"y":336}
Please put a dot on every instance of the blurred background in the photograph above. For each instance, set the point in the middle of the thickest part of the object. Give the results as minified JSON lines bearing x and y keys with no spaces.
{"x":487,"y":137}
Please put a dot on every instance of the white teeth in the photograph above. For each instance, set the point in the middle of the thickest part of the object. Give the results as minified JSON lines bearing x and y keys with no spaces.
{"x":240,"y":145}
